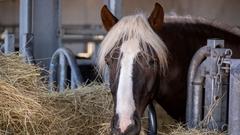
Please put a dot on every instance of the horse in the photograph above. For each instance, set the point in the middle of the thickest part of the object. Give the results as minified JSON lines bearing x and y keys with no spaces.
{"x":148,"y":60}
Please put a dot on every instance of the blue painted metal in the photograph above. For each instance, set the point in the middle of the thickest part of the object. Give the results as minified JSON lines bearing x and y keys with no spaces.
{"x":60,"y":59}
{"x":25,"y":31}
{"x":46,"y":27}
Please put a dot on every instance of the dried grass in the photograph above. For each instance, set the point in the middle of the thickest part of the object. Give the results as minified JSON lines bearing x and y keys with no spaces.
{"x":27,"y":108}
{"x":178,"y":129}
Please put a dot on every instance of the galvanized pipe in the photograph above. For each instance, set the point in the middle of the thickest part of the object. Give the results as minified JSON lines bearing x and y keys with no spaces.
{"x":197,"y":96}
{"x":152,"y":120}
{"x":234,"y":99}
{"x":76,"y":78}
{"x":63,"y":71}
{"x":197,"y":59}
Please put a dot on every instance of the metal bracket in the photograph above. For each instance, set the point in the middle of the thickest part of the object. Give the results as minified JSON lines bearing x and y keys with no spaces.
{"x":209,"y":68}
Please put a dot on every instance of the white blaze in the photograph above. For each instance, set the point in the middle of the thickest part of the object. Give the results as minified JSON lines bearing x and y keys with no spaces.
{"x":125,"y":106}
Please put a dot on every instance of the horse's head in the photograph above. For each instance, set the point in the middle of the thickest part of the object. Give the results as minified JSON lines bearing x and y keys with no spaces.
{"x":135,"y":56}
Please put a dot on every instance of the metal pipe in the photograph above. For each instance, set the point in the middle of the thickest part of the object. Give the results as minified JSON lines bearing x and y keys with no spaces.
{"x":73,"y":85}
{"x":234,"y":99}
{"x":197,"y":96}
{"x":197,"y":59}
{"x":8,"y":45}
{"x":59,"y":22}
{"x":152,"y":120}
{"x":76,"y":76}
{"x":63,"y":71}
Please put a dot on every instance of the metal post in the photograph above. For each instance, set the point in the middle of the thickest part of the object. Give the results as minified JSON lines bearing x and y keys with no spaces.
{"x":234,"y":98}
{"x":194,"y":86}
{"x":152,"y":120}
{"x":197,"y":96}
{"x":62,"y":72}
{"x":46,"y":29}
{"x":9,"y":40}
{"x":25,"y":30}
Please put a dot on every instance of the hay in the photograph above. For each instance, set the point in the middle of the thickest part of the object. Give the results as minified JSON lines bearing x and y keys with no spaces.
{"x":27,"y":108}
{"x":20,"y":87}
{"x":178,"y":129}
{"x":85,"y":111}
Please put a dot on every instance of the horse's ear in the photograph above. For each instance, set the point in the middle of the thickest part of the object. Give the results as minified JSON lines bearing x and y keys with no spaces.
{"x":156,"y":17}
{"x":108,"y":18}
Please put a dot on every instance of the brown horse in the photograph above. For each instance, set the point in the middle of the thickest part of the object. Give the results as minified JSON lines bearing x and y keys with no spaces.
{"x":148,"y":60}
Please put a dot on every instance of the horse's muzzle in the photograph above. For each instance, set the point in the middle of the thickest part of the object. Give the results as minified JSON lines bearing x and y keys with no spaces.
{"x":133,"y":129}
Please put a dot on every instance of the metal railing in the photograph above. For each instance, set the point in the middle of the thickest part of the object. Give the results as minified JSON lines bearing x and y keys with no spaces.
{"x":213,"y":99}
{"x":58,"y":67}
{"x":207,"y":86}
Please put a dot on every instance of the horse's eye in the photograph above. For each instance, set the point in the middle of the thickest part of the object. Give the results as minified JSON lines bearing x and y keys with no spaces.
{"x":151,"y":62}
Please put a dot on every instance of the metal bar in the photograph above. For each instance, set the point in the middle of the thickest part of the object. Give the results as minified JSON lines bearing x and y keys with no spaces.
{"x":73,"y":85}
{"x":53,"y":68}
{"x":152,"y":120}
{"x":9,"y":40}
{"x":197,"y":94}
{"x":197,"y":59}
{"x":63,"y":69}
{"x":234,"y":98}
{"x":75,"y":73}
{"x":59,"y":22}
{"x":53,"y":73}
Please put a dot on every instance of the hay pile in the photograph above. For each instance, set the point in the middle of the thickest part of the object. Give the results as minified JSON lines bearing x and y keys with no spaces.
{"x":26,"y":107}
{"x":21,"y":111}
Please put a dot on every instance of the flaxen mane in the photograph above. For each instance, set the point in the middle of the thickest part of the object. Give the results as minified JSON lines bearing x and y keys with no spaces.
{"x":133,"y":27}
{"x":137,"y":27}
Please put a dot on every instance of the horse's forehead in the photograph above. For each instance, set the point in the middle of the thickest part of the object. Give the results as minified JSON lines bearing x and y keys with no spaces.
{"x":130,"y":47}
